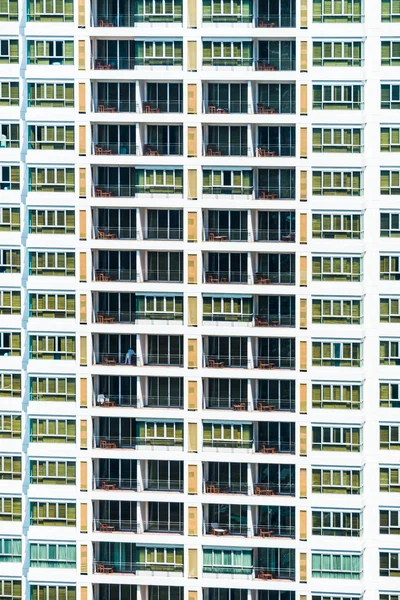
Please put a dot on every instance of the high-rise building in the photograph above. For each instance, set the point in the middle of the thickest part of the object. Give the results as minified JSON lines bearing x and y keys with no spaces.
{"x":199,"y":287}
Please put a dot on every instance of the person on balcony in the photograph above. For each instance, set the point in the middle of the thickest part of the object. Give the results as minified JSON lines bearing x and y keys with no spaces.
{"x":129,"y":355}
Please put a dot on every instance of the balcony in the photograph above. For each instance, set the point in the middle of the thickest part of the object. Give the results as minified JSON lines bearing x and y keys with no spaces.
{"x":163,"y":360}
{"x":275,"y":320}
{"x":109,"y":567}
{"x":111,"y":400}
{"x":130,"y":191}
{"x":275,"y":446}
{"x":114,"y":442}
{"x":112,"y":359}
{"x":163,"y":233}
{"x":163,"y":485}
{"x":214,"y":361}
{"x":163,"y":149}
{"x":274,"y":489}
{"x":226,"y":234}
{"x":108,"y":275}
{"x":106,"y":148}
{"x":225,"y":487}
{"x":131,"y":20}
{"x":106,"y":233}
{"x":274,"y":362}
{"x":114,"y":525}
{"x":226,"y":443}
{"x":111,"y":63}
{"x":222,"y":529}
{"x":225,"y":277}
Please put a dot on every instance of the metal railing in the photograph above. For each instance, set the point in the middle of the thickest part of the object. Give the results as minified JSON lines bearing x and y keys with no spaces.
{"x":242,"y":444}
{"x":51,"y":355}
{"x":163,"y":485}
{"x":273,"y":64}
{"x":163,"y":233}
{"x":113,"y":442}
{"x":275,"y":193}
{"x":109,"y":567}
{"x":227,"y":235}
{"x":274,"y":320}
{"x":110,"y":317}
{"x":228,"y":317}
{"x":225,"y":403}
{"x":219,"y":150}
{"x":50,"y":187}
{"x":275,"y":235}
{"x":114,"y":275}
{"x":163,"y":149}
{"x":165,"y":360}
{"x":130,"y":20}
{"x":223,"y":487}
{"x":275,"y":446}
{"x":162,"y":106}
{"x":105,"y":232}
{"x":218,"y":529}
{"x":163,"y":526}
{"x":226,"y":106}
{"x":226,"y":277}
{"x":109,"y":105}
{"x":9,"y":16}
{"x":164,"y":276}
{"x":110,"y":525}
{"x":275,"y":278}
{"x":214,"y":361}
{"x":50,"y":17}
{"x":109,"y":63}
{"x":112,"y":359}
{"x":337,"y":276}
{"x":163,"y":401}
{"x":219,"y":190}
{"x":276,"y":530}
{"x":110,"y":484}
{"x":275,"y":107}
{"x":338,"y":362}
{"x":109,"y":148}
{"x":274,"y":489}
{"x":52,"y":271}
{"x":272,"y":150}
{"x":275,"y":404}
{"x":110,"y":400}
{"x":274,"y":362}
{"x":7,"y":143}
{"x":130,"y":191}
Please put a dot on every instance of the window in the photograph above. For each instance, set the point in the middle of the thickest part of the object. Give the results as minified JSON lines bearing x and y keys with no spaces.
{"x":390,"y":182}
{"x":10,"y":343}
{"x":389,"y":479}
{"x":389,"y":395}
{"x":51,"y":11}
{"x":390,"y":139}
{"x":159,"y":181}
{"x":161,"y":592}
{"x":164,"y":224}
{"x":225,"y":393}
{"x":337,"y":396}
{"x":389,"y":437}
{"x":51,"y":137}
{"x":164,"y":392}
{"x":226,"y":561}
{"x":227,"y":309}
{"x":10,"y":589}
{"x":334,"y":311}
{"x":227,"y":11}
{"x":389,"y":268}
{"x":337,"y":354}
{"x":50,"y":52}
{"x":390,"y":224}
{"x":336,"y":481}
{"x":52,"y":592}
{"x":10,"y":468}
{"x":389,"y":564}
{"x":52,"y":95}
{"x":51,"y":472}
{"x":51,"y":179}
{"x":165,"y":266}
{"x":231,"y":97}
{"x":218,"y":182}
{"x":53,"y":431}
{"x":160,"y":433}
{"x":158,"y":11}
{"x":159,"y":307}
{"x":219,"y":54}
{"x":390,"y":95}
{"x":53,"y":514}
{"x":9,"y":135}
{"x":390,"y":13}
{"x":220,"y":435}
{"x":337,"y":97}
{"x":9,"y":93}
{"x":10,"y":508}
{"x":9,"y":51}
{"x":52,"y":221}
{"x":337,"y":439}
{"x":8,"y":12}
{"x":52,"y":264}
{"x":10,"y":302}
{"x":337,"y":183}
{"x":10,"y":426}
{"x":9,"y":177}
{"x":160,"y":559}
{"x":52,"y":306}
{"x":337,"y":566}
{"x":389,"y":352}
{"x":10,"y":550}
{"x":337,"y":226}
{"x":52,"y":556}
{"x":53,"y":389}
{"x":389,"y":310}
{"x":336,"y":523}
{"x":160,"y":53}
{"x":390,"y":53}
{"x":337,"y":139}
{"x":337,"y":268}
{"x":279,"y":54}
{"x":338,"y":54}
{"x":279,"y":96}
{"x":10,"y":385}
{"x":389,"y":522}
{"x":60,"y":347}
{"x":229,"y":140}
{"x":339,"y":11}
{"x":9,"y":219}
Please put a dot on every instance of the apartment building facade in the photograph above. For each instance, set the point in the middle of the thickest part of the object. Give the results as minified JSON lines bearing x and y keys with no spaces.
{"x":199,"y":374}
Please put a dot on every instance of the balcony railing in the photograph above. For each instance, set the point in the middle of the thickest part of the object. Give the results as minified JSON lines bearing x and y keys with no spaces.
{"x":130,"y":191}
{"x":227,"y":235}
{"x":101,"y":232}
{"x":274,"y":320}
{"x":111,"y":525}
{"x":48,"y":17}
{"x":163,"y":527}
{"x":337,"y":362}
{"x":109,"y":567}
{"x":275,"y":193}
{"x":275,"y":235}
{"x":109,"y":105}
{"x":275,"y":107}
{"x":164,"y":276}
{"x":219,"y":529}
{"x":275,"y":447}
{"x":113,"y":442}
{"x":112,"y":359}
{"x":163,"y":401}
{"x":225,"y":403}
{"x":263,"y":573}
{"x":273,"y":150}
{"x":130,"y":20}
{"x":234,"y":444}
{"x":262,"y":20}
{"x":111,"y":484}
{"x":162,"y":106}
{"x":227,"y":106}
{"x":48,"y":354}
{"x":109,"y":63}
{"x":268,"y":64}
{"x":164,"y":233}
{"x":226,"y":277}
{"x":274,"y":362}
{"x":275,"y":404}
{"x":212,"y":361}
{"x":227,"y":18}
{"x":228,"y":318}
{"x":223,"y":487}
{"x":227,"y":150}
{"x":240,"y":190}
{"x":275,"y":278}
{"x":132,"y":317}
{"x":164,"y":360}
{"x":163,"y":485}
{"x":110,"y":400}
{"x":107,"y":275}
{"x":163,"y":150}
{"x":109,"y":148}
{"x":267,"y":530}
{"x":274,"y":489}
